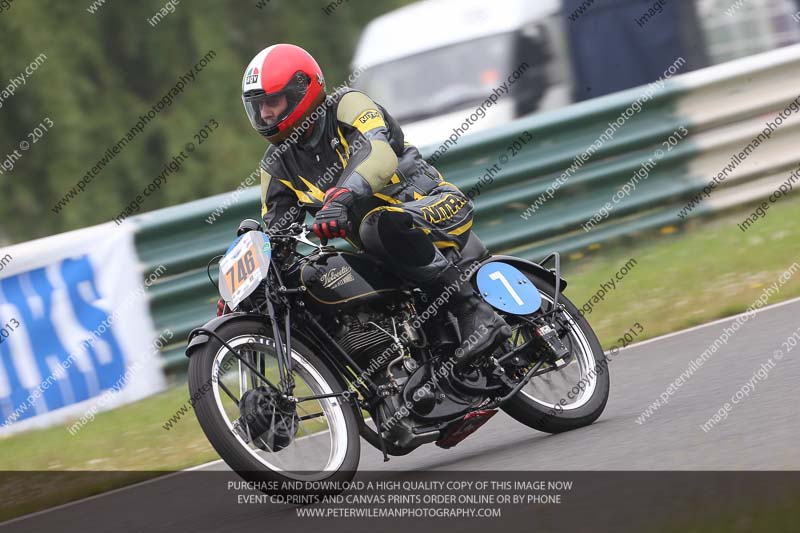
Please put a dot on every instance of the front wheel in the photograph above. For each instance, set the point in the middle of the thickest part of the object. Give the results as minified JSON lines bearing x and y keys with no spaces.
{"x":259,"y":435}
{"x":573,"y":392}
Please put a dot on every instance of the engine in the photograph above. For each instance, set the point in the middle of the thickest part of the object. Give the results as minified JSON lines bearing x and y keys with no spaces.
{"x":368,"y":337}
{"x":417,"y":397}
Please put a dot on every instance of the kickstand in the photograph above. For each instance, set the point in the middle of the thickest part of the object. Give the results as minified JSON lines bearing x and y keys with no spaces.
{"x":378,"y":424}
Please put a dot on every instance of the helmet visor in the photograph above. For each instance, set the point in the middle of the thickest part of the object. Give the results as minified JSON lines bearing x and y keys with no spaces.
{"x":267,"y":111}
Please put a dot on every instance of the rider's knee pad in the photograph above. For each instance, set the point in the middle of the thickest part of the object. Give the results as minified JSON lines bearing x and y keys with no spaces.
{"x":388,"y":233}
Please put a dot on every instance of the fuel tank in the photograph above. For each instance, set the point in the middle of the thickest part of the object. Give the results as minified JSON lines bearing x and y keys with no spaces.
{"x":343,"y":279}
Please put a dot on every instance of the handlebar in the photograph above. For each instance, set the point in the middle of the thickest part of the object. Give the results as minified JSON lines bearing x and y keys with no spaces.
{"x":297,"y":232}
{"x":297,"y":228}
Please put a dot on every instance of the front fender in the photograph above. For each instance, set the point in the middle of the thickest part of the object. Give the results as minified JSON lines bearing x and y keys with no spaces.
{"x":196,"y":339}
{"x":525,"y":265}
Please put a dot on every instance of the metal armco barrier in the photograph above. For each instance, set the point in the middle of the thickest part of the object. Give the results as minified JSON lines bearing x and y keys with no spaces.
{"x":722,"y":108}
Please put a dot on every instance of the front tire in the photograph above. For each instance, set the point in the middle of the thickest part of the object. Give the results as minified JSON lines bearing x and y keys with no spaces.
{"x":555,"y":411}
{"x":337,"y":424}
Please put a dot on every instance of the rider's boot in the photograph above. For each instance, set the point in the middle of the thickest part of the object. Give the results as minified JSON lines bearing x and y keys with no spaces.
{"x":481,"y":328}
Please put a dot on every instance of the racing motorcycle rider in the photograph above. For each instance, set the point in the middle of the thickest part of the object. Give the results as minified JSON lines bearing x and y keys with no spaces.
{"x":343,"y":158}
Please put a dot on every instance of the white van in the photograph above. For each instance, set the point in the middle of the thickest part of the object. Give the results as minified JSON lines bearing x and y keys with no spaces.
{"x":432,"y":63}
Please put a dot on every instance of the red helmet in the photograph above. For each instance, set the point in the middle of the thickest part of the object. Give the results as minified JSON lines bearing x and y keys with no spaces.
{"x":282,"y":70}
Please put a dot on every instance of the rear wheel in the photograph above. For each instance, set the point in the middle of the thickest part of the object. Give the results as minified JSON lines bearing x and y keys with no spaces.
{"x":573,"y":392}
{"x":260,"y":435}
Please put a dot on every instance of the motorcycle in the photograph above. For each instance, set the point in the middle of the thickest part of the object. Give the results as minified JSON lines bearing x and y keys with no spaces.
{"x":319,"y":349}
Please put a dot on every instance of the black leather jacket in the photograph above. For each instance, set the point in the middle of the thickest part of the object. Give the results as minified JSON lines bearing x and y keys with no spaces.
{"x":356,"y":144}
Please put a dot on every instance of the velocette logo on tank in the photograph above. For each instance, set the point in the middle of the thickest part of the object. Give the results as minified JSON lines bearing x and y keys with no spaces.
{"x":336,"y":277}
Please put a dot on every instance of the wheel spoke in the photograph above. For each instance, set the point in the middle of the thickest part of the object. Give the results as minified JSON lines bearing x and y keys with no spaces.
{"x":550,"y":387}
{"x":298,"y":438}
{"x":229,"y":393}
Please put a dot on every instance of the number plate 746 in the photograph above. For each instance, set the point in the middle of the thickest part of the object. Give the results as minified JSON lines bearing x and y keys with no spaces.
{"x":243,"y":267}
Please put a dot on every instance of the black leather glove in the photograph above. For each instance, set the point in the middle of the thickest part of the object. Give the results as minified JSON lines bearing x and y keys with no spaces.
{"x":333,"y":220}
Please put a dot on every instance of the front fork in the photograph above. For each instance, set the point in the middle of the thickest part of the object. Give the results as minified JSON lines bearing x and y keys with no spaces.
{"x":283,"y":345}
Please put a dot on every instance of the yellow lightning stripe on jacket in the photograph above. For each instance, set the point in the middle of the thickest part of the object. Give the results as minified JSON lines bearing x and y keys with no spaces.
{"x":302,"y":196}
{"x":313,"y":190}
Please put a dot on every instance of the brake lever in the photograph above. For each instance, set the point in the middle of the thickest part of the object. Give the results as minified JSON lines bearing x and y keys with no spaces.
{"x":304,"y":239}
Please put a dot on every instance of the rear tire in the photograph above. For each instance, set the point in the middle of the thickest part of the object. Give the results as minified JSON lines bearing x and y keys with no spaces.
{"x":549,"y":418}
{"x":217,"y":430}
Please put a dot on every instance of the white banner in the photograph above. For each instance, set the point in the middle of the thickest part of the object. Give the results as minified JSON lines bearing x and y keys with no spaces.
{"x":75,"y":329}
